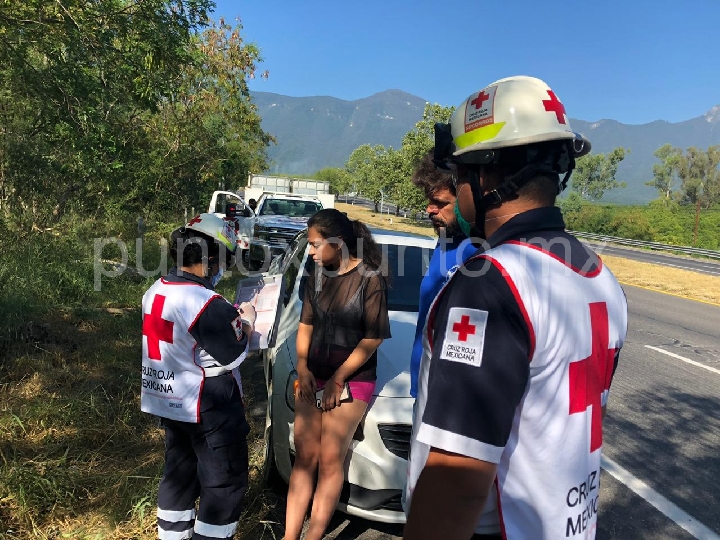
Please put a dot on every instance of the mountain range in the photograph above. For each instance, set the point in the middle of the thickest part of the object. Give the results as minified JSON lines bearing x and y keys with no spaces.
{"x":317,"y":132}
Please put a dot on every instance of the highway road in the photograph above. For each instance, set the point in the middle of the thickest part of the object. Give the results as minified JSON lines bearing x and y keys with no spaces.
{"x":704,"y":266}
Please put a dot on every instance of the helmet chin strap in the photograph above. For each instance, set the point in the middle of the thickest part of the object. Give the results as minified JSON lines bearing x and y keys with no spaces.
{"x":546,"y":162}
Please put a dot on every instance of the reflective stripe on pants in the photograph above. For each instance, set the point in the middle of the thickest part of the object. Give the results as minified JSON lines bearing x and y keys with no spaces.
{"x":209,"y":461}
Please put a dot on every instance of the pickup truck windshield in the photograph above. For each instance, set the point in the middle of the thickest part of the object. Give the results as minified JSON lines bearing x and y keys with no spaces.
{"x":285,"y":207}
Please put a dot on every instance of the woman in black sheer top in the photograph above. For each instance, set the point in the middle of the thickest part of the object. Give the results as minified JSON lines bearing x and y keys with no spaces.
{"x":344,"y":320}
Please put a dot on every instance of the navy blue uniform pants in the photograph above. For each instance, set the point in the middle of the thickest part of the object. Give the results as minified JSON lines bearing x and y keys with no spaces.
{"x":209,"y":461}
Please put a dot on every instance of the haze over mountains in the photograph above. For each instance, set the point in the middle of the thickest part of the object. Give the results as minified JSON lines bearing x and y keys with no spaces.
{"x":317,"y":132}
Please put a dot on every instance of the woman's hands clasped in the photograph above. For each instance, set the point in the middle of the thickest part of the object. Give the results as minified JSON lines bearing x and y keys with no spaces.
{"x":306,"y":386}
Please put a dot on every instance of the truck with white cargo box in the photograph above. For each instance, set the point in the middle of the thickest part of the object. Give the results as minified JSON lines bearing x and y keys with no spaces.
{"x":283,"y":206}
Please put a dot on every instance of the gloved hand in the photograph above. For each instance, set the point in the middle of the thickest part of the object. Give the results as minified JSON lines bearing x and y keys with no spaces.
{"x":247,"y":313}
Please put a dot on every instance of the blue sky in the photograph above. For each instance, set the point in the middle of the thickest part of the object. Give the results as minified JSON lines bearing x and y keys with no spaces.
{"x":634,"y":61}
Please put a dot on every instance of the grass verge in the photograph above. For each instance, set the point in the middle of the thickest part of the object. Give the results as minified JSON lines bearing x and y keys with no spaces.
{"x":78,"y":459}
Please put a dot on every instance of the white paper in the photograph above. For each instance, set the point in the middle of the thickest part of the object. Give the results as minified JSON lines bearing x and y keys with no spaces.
{"x":264,"y":295}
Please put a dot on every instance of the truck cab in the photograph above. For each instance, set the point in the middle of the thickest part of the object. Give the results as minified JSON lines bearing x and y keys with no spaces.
{"x":283,"y":207}
{"x":280,"y":216}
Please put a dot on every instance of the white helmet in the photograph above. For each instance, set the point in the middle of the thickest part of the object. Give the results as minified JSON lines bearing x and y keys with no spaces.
{"x":220,"y":230}
{"x":515,"y":111}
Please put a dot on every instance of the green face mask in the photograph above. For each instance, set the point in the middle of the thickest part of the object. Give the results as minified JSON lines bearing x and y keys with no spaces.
{"x":465,"y":226}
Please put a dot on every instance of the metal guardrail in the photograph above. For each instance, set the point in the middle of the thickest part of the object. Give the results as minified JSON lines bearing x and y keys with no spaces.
{"x":710,"y":253}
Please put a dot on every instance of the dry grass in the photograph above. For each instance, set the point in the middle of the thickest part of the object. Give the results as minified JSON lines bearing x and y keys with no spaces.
{"x":652,"y":276}
{"x":78,"y":459}
{"x":385,"y":221}
{"x":666,"y":279}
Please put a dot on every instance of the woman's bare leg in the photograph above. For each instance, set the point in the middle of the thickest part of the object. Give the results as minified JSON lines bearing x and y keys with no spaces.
{"x":338,"y":427}
{"x":308,"y":423}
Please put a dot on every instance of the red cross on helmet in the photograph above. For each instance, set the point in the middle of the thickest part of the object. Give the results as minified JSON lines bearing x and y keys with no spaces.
{"x":515,"y":111}
{"x":220,"y":230}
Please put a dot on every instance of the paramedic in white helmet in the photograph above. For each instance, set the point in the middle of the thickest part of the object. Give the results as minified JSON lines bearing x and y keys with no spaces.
{"x":522,"y":342}
{"x":193,"y":342}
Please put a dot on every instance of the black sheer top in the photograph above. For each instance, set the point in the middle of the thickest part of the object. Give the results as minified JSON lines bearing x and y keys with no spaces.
{"x":344,"y":309}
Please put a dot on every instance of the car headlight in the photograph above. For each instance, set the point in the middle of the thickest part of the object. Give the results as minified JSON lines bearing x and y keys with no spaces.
{"x":290,"y":390}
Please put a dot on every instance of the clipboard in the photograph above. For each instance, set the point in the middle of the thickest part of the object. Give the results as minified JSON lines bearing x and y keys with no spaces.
{"x":263,"y":292}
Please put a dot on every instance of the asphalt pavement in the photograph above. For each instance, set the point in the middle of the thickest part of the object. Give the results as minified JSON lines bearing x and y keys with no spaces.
{"x":704,"y":266}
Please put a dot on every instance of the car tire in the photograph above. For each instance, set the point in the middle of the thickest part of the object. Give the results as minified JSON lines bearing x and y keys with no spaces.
{"x":253,"y":265}
{"x":269,"y":474}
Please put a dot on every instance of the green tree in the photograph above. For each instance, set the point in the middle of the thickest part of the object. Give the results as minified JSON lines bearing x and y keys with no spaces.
{"x":378,"y":170}
{"x":76,"y":78}
{"x":114,"y":107}
{"x":208,"y":132}
{"x":341,"y":181}
{"x":388,"y":173}
{"x":665,"y":173}
{"x":699,"y":175}
{"x":419,"y":140}
{"x":595,"y":174}
{"x":362,"y":165}
{"x":690,"y":177}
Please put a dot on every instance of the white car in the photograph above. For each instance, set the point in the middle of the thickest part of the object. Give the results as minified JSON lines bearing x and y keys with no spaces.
{"x":376,"y":465}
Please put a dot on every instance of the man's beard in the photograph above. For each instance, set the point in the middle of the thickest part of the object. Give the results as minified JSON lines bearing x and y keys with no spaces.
{"x":452,"y":229}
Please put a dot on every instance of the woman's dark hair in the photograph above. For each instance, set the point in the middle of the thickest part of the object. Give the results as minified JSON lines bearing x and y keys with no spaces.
{"x":332,"y":223}
{"x":193,"y":247}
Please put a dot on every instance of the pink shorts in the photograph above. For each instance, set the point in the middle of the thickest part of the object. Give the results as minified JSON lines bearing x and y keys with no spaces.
{"x":362,"y":390}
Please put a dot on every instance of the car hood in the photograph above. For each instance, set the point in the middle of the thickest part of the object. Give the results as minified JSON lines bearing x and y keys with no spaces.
{"x":393,"y":368}
{"x":284,"y":222}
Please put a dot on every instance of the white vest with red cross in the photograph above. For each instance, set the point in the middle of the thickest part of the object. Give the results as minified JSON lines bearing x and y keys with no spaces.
{"x":548,"y":479}
{"x":172,"y":375}
{"x":548,"y":476}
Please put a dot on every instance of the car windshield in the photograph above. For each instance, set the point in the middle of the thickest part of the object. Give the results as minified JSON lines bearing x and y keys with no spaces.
{"x":408,"y":265}
{"x":291,"y":208}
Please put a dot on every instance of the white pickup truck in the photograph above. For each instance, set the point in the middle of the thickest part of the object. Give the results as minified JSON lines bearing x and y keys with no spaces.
{"x":281,"y":209}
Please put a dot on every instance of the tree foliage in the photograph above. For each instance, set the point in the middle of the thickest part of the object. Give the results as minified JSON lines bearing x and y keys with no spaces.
{"x":363,"y":166}
{"x":418,"y":141}
{"x":595,"y":174}
{"x":691,"y":176}
{"x":341,"y":182}
{"x":665,"y":173}
{"x":377,"y":170}
{"x":209,"y":129}
{"x":106,"y":104}
{"x":665,"y":221}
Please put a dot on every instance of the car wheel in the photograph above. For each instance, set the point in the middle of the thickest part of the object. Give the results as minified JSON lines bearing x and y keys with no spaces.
{"x":270,"y":476}
{"x":252,"y":264}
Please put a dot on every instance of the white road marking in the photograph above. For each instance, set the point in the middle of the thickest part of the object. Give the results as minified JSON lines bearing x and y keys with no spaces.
{"x":669,"y":509}
{"x":693,"y":362}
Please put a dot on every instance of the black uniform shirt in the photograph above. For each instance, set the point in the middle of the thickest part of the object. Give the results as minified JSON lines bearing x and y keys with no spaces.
{"x":215,"y":328}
